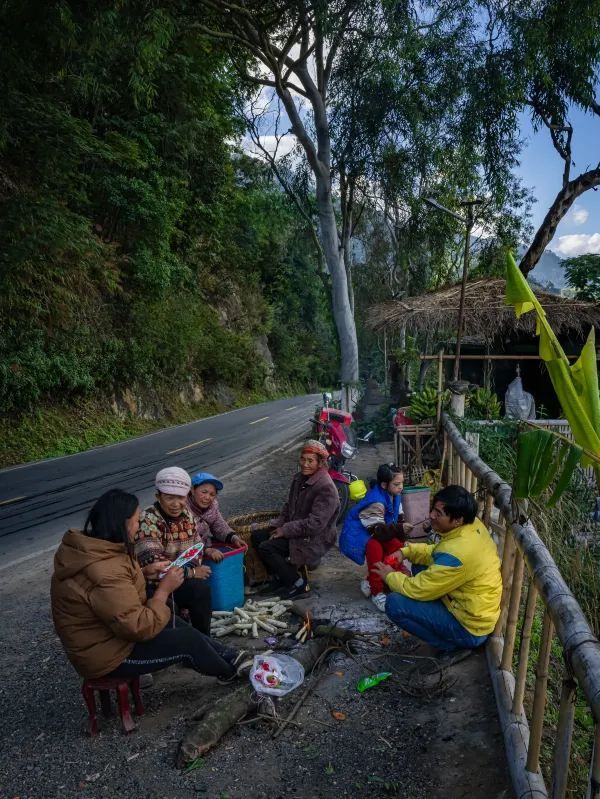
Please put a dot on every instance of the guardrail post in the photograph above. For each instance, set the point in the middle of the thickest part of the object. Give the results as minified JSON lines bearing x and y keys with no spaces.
{"x":508,"y":560}
{"x":594,"y":787}
{"x":539,"y":697}
{"x":532,"y":594}
{"x":564,"y":736}
{"x":513,"y":614}
{"x":487,"y":509}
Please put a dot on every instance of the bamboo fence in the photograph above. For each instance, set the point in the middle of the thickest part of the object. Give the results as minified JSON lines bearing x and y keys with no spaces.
{"x":524,"y":554}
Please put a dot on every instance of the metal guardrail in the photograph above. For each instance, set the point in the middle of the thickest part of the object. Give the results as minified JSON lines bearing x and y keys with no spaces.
{"x":522,"y":550}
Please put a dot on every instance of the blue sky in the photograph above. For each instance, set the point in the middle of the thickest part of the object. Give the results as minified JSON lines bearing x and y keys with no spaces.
{"x":541,"y":170}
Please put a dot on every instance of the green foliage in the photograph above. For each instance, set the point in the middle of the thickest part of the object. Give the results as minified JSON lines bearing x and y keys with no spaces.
{"x":541,"y":458}
{"x":136,"y":247}
{"x":583,"y":275}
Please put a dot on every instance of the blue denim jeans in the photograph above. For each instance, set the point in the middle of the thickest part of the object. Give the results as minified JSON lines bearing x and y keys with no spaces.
{"x":430,"y":621}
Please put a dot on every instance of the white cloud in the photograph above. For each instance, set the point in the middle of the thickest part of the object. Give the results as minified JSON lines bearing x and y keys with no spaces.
{"x":284,"y":146}
{"x":577,"y":244}
{"x":481,"y":232}
{"x":579,"y":215}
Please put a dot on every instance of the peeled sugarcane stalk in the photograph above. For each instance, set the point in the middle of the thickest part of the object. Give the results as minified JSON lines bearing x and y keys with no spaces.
{"x":281,"y":625}
{"x":268,"y":627}
{"x":223,"y":631}
{"x":221,"y":622}
{"x":246,"y":621}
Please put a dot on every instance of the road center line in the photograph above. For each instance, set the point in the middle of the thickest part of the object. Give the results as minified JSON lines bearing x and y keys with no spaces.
{"x":189,"y":446}
{"x":14,"y":499}
{"x":256,"y":421}
{"x":292,"y":408}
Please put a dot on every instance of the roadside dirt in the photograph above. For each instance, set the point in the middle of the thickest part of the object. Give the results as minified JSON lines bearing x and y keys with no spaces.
{"x":416,"y":735}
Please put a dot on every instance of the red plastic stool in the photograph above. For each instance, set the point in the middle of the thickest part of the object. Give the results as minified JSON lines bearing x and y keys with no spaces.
{"x":104,"y":685}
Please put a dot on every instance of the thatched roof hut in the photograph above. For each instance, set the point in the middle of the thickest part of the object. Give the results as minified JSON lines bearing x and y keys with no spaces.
{"x":486,"y":314}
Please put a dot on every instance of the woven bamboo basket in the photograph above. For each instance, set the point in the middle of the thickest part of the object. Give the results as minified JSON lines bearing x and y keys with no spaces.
{"x":244,"y":525}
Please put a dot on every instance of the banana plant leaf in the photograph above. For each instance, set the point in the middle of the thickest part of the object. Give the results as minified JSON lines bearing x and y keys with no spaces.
{"x":576,"y":386}
{"x":539,"y":460}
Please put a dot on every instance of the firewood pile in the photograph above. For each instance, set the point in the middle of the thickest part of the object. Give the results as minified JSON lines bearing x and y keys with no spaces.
{"x":254,"y":616}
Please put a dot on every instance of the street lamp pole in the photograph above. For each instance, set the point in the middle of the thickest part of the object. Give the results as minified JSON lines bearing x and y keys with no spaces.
{"x":468,"y":222}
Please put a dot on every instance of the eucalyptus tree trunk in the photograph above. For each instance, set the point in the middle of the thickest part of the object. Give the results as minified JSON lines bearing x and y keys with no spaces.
{"x":298,"y":52}
{"x":334,"y":258}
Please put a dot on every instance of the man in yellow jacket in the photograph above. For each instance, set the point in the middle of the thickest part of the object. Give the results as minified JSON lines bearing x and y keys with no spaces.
{"x":453,"y":599}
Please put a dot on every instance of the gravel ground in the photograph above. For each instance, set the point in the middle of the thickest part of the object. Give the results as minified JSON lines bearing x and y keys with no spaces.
{"x":408,"y":737}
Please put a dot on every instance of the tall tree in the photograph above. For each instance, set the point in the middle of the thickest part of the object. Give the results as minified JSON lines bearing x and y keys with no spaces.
{"x":326,"y":62}
{"x":542,"y":57}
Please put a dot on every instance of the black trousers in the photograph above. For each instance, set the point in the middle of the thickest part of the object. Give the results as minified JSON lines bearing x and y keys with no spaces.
{"x":274,"y":553}
{"x":179,"y":644}
{"x":194,"y":595}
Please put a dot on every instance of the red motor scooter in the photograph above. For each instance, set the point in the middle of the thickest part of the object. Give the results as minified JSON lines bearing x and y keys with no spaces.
{"x":333,"y":428}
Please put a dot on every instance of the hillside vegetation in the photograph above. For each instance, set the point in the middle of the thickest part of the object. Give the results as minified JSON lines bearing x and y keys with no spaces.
{"x":146,"y":265}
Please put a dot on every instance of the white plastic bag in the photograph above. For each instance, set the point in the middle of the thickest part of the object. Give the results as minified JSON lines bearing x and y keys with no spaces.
{"x":276,"y":675}
{"x":519,"y":404}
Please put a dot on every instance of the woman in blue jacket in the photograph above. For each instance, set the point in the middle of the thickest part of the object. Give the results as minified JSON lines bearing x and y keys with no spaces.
{"x":374,"y":528}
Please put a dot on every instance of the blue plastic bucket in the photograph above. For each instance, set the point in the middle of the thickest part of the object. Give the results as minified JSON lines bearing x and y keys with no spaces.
{"x":227,"y":579}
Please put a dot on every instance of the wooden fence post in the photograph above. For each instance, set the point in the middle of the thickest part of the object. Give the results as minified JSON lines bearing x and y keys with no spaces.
{"x":539,"y":697}
{"x":508,"y":560}
{"x":513,"y":614}
{"x":532,"y":593}
{"x":564,"y":735}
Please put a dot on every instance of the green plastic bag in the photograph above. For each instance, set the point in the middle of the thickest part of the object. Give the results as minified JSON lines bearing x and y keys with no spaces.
{"x":368,"y":682}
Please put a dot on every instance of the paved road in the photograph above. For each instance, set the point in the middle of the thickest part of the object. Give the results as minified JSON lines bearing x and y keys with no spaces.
{"x":39,"y":500}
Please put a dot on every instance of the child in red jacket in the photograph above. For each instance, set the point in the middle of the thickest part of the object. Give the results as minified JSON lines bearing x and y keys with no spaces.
{"x":385,"y":540}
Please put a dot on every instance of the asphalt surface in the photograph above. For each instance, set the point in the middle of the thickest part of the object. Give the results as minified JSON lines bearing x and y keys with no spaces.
{"x":38,"y":501}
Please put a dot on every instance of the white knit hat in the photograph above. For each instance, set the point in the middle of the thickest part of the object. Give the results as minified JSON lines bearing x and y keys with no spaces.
{"x":173,"y":480}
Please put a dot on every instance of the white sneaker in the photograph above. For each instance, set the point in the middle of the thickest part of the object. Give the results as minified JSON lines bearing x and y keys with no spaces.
{"x":379,"y":601}
{"x":365,"y":588}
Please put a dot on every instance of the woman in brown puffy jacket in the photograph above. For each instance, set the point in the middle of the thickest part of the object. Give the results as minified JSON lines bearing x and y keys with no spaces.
{"x":103,"y":618}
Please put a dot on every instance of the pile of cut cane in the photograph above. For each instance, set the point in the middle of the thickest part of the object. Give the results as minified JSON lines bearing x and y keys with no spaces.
{"x":264,"y":615}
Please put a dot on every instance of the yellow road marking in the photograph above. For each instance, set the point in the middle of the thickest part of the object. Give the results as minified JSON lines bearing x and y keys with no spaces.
{"x":14,"y":499}
{"x":256,"y":421}
{"x":189,"y":446}
{"x":292,"y":408}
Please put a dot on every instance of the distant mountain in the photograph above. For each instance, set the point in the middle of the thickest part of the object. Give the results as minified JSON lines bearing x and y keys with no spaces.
{"x":549,"y":271}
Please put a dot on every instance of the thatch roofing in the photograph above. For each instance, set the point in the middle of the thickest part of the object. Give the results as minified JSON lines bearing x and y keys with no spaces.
{"x":486,"y":314}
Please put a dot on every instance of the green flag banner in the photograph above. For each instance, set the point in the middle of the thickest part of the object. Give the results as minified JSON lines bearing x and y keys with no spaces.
{"x":576,"y":386}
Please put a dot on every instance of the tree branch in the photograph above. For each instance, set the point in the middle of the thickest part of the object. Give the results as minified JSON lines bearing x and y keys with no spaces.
{"x":561,"y":147}
{"x":561,"y":205}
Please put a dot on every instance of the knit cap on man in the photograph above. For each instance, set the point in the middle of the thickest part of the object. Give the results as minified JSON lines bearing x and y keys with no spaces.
{"x":173,"y":480}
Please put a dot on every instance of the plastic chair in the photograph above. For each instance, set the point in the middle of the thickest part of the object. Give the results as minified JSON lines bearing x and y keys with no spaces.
{"x":105,"y":685}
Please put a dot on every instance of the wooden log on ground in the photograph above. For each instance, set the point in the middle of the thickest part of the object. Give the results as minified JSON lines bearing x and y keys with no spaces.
{"x":220,"y":716}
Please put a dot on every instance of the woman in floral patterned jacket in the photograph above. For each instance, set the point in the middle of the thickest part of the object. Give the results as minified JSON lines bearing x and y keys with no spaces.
{"x":167,"y":529}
